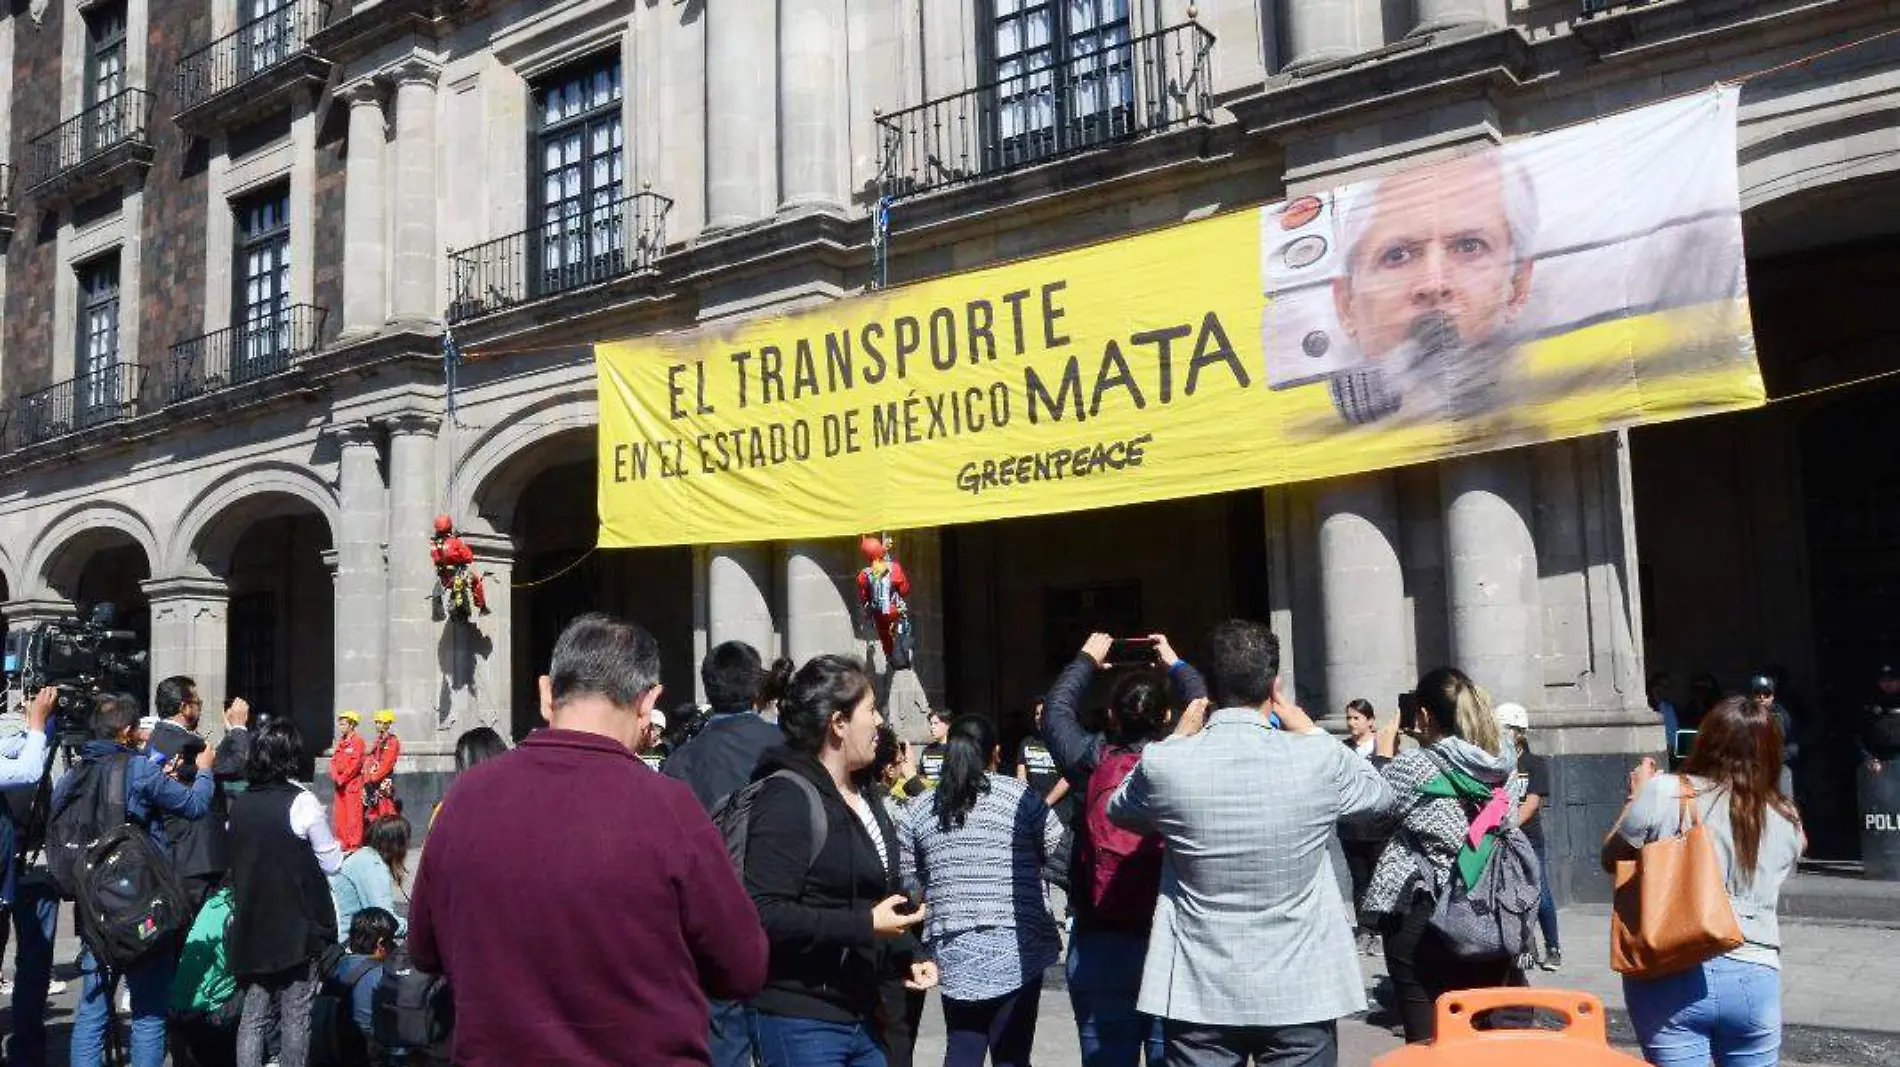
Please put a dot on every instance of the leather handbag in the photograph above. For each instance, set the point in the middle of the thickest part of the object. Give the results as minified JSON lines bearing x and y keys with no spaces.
{"x":1672,"y":910}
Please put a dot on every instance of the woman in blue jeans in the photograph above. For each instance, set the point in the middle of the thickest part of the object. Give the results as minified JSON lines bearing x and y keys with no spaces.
{"x":1729,"y":1008}
{"x":817,"y":865}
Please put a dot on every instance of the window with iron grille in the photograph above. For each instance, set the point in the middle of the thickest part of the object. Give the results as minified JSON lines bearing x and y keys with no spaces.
{"x":582,"y":233}
{"x":262,"y":273}
{"x":268,"y":36}
{"x":97,"y":384}
{"x":105,"y":73}
{"x":1063,"y":76}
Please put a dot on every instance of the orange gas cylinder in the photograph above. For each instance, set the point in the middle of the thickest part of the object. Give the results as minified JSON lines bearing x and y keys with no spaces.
{"x":1583,"y":1042}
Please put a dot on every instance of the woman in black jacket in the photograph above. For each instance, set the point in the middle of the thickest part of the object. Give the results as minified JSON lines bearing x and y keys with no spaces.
{"x":282,"y":915}
{"x":826,"y":905}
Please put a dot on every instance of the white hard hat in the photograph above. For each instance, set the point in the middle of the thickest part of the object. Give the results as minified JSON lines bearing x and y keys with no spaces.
{"x":1514,"y":716}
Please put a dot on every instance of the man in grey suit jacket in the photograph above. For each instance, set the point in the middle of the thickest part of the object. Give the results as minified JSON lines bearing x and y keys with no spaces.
{"x":1251,"y":957}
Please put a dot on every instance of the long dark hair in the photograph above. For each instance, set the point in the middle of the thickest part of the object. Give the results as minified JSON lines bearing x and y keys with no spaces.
{"x":823,"y":687}
{"x":477,"y":746}
{"x":1138,"y":708}
{"x":966,"y":767}
{"x":276,"y":753}
{"x":388,"y":837}
{"x":1738,"y":747}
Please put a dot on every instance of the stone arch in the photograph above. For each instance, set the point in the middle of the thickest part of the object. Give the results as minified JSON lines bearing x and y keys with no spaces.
{"x":211,"y":524}
{"x":9,"y":573}
{"x":56,"y":559}
{"x":501,"y":463}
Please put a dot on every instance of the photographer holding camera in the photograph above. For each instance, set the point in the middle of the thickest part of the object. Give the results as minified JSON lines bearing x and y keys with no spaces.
{"x":150,"y":796}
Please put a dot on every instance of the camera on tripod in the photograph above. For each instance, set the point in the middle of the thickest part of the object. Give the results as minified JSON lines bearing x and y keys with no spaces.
{"x":79,"y":659}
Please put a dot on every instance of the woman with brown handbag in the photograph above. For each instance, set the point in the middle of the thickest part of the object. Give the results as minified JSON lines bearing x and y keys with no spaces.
{"x":1728,"y":1007}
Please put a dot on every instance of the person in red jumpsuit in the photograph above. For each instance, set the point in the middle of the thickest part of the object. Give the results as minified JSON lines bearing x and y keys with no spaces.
{"x":882,"y":589}
{"x":346,"y":771}
{"x":379,"y":792}
{"x":453,"y":558}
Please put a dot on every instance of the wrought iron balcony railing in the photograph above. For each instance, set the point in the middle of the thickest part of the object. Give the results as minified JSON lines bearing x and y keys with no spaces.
{"x":579,"y":249}
{"x":81,"y":403}
{"x":112,"y":122}
{"x":1126,"y":90}
{"x":249,"y":51}
{"x":244,"y":353}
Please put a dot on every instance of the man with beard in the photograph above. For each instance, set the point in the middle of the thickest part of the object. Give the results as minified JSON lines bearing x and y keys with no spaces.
{"x":1438,"y":265}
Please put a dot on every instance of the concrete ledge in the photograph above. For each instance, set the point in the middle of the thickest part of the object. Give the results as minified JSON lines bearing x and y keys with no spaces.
{"x":1842,"y":897}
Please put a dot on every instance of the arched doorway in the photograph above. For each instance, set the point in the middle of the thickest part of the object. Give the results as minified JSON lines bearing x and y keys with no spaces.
{"x":545,"y":499}
{"x":103,"y":568}
{"x":270,"y":549}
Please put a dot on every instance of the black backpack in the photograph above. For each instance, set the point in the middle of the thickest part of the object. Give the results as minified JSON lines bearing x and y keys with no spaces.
{"x":411,"y":1009}
{"x":335,"y":1040}
{"x":125,"y":895}
{"x":732,"y":816}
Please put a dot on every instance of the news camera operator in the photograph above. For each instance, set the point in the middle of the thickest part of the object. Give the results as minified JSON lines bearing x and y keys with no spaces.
{"x":199,"y":848}
{"x":151,"y":794}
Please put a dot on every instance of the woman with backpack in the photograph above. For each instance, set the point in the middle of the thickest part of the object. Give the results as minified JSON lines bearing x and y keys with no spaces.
{"x":817,"y":865}
{"x":1459,"y":765}
{"x":1727,"y":1008}
{"x":978,"y":845}
{"x":1114,"y":874}
{"x":283,"y":919}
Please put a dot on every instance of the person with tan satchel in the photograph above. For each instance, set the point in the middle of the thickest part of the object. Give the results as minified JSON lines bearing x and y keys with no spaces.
{"x":1699,"y":859}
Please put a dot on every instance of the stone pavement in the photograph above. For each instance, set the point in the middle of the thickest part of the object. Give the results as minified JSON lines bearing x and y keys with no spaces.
{"x":1840,"y":998}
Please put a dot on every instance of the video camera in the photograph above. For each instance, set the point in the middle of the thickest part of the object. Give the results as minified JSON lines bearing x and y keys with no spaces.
{"x":78,"y":658}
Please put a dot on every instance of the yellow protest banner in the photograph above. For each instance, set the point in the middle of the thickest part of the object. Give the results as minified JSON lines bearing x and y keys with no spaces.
{"x":1500,"y":299}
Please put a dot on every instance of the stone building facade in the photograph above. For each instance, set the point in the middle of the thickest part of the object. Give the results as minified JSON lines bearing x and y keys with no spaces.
{"x":237,"y":230}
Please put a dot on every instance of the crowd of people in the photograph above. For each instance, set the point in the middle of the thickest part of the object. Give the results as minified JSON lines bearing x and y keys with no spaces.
{"x":778,"y":879}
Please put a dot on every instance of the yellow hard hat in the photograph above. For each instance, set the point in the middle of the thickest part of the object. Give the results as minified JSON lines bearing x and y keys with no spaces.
{"x":386,"y":715}
{"x":350,"y":715}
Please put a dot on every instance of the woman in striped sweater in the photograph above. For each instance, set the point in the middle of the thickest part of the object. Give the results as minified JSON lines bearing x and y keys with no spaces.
{"x":977,"y":847}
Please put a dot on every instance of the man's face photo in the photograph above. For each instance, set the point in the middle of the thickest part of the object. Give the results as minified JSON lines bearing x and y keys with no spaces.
{"x":1433,"y":243}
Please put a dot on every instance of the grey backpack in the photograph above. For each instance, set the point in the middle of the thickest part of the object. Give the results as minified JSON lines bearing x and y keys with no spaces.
{"x":733,"y":816}
{"x":1493,"y":919}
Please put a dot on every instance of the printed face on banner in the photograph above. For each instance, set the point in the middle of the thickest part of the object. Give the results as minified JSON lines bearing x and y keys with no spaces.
{"x":1558,"y":286}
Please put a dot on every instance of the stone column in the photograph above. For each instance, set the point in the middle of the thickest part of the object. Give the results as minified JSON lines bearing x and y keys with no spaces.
{"x":738,"y":604}
{"x":418,"y":296}
{"x":741,"y":112}
{"x":1491,"y":575}
{"x":361,"y":579}
{"x":812,"y":153}
{"x":1437,"y":16}
{"x":413,"y":671}
{"x":365,"y":220}
{"x":190,"y":634}
{"x":912,"y":693}
{"x":1321,"y":31}
{"x":820,"y":600}
{"x":1362,"y":591}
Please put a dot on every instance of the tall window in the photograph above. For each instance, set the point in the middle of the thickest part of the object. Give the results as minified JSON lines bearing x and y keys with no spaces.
{"x":582,"y":235}
{"x":269,"y":34}
{"x":105,"y":74}
{"x":262,"y":272}
{"x":1063,"y":70}
{"x":97,"y":388}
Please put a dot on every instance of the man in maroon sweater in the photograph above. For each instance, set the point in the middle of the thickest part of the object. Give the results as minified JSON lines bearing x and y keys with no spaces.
{"x":581,"y":905}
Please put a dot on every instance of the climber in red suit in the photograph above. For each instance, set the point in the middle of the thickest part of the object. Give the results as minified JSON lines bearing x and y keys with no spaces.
{"x":452,"y":556}
{"x":882,"y":589}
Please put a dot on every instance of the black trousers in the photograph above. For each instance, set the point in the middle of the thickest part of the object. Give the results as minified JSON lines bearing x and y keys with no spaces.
{"x":1423,"y":969}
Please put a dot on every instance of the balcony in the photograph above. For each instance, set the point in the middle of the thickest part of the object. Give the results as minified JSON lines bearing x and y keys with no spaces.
{"x":240,"y":355}
{"x":361,"y":28}
{"x":7,"y":217}
{"x":78,"y":404}
{"x":254,"y":70}
{"x":92,"y":151}
{"x":1114,"y":94}
{"x":600,"y":244}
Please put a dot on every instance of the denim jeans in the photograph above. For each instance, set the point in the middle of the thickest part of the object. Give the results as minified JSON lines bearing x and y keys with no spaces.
{"x":1724,"y":1009}
{"x":35,"y":926}
{"x":1546,"y":904}
{"x":1299,"y":1045}
{"x":730,"y":1040}
{"x":150,"y":983}
{"x":1104,"y":976}
{"x":284,"y":999}
{"x":785,"y":1041}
